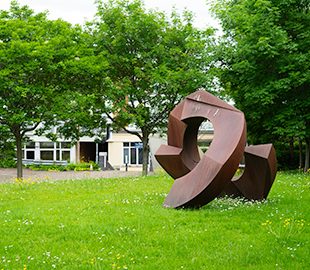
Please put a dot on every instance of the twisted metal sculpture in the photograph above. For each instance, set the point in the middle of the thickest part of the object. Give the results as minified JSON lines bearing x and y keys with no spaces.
{"x":199,"y":180}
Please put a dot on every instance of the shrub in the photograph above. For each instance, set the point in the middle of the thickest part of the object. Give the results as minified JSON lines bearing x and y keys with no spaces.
{"x":8,"y":162}
{"x":70,"y":167}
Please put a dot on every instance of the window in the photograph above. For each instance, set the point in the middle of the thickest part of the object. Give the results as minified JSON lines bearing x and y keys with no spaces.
{"x":65,"y":155}
{"x":29,"y":154}
{"x":65,"y":145}
{"x":30,"y":145}
{"x":132,"y":153}
{"x":28,"y":151}
{"x":46,"y":145}
{"x":47,"y":150}
{"x":47,"y":154}
{"x":63,"y":151}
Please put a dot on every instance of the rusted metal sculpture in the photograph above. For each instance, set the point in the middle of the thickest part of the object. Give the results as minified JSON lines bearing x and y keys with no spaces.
{"x":199,"y":181}
{"x":258,"y":176}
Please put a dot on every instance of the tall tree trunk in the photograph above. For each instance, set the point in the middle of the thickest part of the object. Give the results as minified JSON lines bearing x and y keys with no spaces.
{"x":19,"y":155}
{"x":78,"y":153}
{"x":291,"y":153}
{"x":145,"y":153}
{"x":300,"y":155}
{"x":307,"y":155}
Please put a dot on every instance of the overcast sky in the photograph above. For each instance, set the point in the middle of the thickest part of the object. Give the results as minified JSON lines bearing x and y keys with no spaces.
{"x":76,"y":11}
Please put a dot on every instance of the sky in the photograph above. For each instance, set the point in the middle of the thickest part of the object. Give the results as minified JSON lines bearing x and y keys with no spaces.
{"x":76,"y":11}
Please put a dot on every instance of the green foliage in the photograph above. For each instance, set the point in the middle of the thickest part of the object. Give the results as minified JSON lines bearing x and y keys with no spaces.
{"x":285,"y":159}
{"x":264,"y":62}
{"x":42,"y":167}
{"x":7,"y":151}
{"x":70,"y":167}
{"x":85,"y":166}
{"x":8,"y":162}
{"x":111,"y":223}
{"x":43,"y":64}
{"x":153,"y":63}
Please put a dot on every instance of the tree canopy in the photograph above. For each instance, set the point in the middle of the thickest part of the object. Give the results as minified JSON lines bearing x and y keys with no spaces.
{"x":41,"y":66}
{"x":154,"y":61}
{"x":263,"y":64}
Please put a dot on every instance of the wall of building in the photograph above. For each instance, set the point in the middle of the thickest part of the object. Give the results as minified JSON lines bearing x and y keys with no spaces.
{"x":117,"y":146}
{"x":116,"y":150}
{"x":155,"y":142}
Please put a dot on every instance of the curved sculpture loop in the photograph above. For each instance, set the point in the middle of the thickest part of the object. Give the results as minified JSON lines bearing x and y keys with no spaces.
{"x":258,"y":176}
{"x":199,"y":180}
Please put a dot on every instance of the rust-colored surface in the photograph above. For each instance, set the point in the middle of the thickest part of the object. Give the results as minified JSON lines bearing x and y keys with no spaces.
{"x":258,"y":176}
{"x":199,"y":181}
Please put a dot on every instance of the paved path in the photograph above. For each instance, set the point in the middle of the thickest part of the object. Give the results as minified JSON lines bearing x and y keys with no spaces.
{"x":8,"y":175}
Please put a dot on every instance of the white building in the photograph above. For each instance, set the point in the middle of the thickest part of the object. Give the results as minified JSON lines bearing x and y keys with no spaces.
{"x":119,"y":148}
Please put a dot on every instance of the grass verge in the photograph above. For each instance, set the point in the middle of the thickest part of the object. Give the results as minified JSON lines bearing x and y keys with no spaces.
{"x":120,"y":224}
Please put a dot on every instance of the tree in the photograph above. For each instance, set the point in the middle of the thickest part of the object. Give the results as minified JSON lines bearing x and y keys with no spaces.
{"x":263,"y":64}
{"x":153,"y":63}
{"x":7,"y":151}
{"x":41,"y":67}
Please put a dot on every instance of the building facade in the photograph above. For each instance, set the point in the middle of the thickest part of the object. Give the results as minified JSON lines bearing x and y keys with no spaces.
{"x":121,"y":150}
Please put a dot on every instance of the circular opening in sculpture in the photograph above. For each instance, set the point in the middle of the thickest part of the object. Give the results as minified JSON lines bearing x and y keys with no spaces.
{"x":205,"y":136}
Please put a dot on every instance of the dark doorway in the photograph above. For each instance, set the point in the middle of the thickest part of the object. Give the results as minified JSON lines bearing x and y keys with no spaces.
{"x":88,"y":150}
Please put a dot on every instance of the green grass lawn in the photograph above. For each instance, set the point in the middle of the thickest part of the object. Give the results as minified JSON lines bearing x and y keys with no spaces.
{"x":120,"y":224}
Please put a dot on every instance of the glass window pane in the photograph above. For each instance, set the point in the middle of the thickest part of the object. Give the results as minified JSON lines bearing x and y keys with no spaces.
{"x":30,"y":145}
{"x":126,"y":144}
{"x":46,"y":145}
{"x":57,"y":155}
{"x":65,"y":155}
{"x":47,"y":155}
{"x":57,"y":145}
{"x":132,"y":144}
{"x":126,"y":154}
{"x":140,"y":153}
{"x":29,"y":154}
{"x":65,"y":145}
{"x":133,"y":157}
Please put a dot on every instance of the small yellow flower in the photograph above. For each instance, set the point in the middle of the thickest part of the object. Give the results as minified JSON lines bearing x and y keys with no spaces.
{"x":113,"y":264}
{"x":131,"y":259}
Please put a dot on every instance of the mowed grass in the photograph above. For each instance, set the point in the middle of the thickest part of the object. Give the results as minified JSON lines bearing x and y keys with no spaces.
{"x":121,"y":224}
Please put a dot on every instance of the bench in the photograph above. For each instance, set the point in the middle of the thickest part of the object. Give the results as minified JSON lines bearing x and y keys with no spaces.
{"x":44,"y":162}
{"x":50,"y":162}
